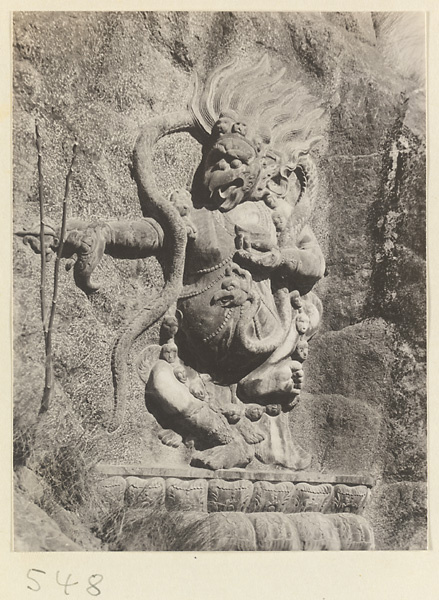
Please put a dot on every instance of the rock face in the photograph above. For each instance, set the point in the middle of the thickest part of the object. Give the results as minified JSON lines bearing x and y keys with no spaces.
{"x":36,"y":532}
{"x":99,"y":77}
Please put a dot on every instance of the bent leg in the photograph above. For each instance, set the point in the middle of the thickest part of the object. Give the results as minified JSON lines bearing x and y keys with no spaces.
{"x":190,"y":415}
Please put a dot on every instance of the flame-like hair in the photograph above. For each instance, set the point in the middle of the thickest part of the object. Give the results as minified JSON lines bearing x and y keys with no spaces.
{"x":282,"y":113}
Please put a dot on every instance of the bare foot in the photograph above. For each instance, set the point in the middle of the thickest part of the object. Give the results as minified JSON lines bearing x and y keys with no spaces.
{"x":170,"y":438}
{"x":235,"y":454}
{"x":250,"y":432}
{"x":297,"y":374}
{"x":275,"y":383}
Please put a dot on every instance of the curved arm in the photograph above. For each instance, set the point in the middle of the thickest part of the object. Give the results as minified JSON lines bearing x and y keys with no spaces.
{"x":120,"y":239}
{"x":123,"y":239}
{"x":90,"y":241}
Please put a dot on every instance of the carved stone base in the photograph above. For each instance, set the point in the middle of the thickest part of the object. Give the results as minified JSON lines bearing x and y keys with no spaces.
{"x":248,"y":510}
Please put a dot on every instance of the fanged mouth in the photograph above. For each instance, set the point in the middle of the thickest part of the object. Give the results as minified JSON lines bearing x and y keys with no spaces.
{"x":230,"y":195}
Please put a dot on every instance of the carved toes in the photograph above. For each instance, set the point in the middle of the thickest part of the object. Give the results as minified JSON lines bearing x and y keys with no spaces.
{"x":250,"y":434}
{"x":235,"y":454}
{"x":297,"y":375}
{"x":209,"y":459}
{"x":170,"y":438}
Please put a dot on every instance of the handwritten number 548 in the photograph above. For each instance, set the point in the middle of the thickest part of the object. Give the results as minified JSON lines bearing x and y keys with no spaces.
{"x":92,"y":589}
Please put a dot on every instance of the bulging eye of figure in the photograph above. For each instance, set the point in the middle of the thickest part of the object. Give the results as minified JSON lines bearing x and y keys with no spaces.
{"x":236,"y":163}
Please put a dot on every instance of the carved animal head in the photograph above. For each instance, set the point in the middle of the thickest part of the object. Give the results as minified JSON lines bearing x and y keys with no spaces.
{"x":256,"y":126}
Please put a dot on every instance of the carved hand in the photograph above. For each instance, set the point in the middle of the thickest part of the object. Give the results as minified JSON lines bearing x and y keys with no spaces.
{"x":90,"y":250}
{"x":32,"y":238}
{"x":259,"y":239}
{"x":87,"y":241}
{"x":257,"y":253}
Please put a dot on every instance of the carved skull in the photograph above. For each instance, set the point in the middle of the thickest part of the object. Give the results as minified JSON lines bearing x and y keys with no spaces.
{"x":180,"y":374}
{"x":169,"y":352}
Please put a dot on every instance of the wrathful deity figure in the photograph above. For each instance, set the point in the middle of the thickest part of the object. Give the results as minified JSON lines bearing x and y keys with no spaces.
{"x":239,"y":260}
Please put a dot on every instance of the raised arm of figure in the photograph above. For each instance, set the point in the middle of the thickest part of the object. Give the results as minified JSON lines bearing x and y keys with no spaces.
{"x":90,"y":241}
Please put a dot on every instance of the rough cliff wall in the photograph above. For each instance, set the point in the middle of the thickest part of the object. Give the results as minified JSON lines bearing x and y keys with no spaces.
{"x":99,"y":77}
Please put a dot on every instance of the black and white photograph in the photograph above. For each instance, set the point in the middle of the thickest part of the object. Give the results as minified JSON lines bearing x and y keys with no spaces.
{"x":219,"y":281}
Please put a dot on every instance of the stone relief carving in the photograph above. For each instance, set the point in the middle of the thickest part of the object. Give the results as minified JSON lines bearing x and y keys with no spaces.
{"x":240,"y":261}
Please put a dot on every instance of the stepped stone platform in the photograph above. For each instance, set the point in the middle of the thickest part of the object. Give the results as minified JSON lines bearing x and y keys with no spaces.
{"x":249,"y":510}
